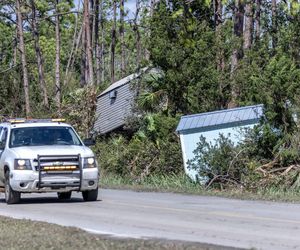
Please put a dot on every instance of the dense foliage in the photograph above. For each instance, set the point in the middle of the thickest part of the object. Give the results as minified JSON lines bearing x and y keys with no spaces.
{"x":209,"y":55}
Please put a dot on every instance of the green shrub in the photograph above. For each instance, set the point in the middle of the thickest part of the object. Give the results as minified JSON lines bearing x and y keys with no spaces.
{"x":152,"y":149}
{"x":216,"y":162}
{"x":265,"y":159}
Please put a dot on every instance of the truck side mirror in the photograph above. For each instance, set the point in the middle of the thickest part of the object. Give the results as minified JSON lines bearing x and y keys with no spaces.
{"x":89,"y":142}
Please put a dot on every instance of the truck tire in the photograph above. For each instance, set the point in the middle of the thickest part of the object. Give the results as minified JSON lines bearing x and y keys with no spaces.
{"x":64,"y":195}
{"x":90,"y":195}
{"x":11,"y":196}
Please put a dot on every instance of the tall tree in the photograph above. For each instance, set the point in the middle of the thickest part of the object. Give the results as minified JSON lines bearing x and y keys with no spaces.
{"x":39,"y":57}
{"x":248,"y":25}
{"x":74,"y":49}
{"x":57,"y":58}
{"x":16,"y":84}
{"x":97,"y":45}
{"x":113,"y":43}
{"x":23,"y":57}
{"x":122,"y":37}
{"x":93,"y":23}
{"x":238,"y":23}
{"x":102,"y":48}
{"x":257,"y":20}
{"x":137,"y":34}
{"x":83,"y":65}
{"x":220,"y":50}
{"x":88,"y":47}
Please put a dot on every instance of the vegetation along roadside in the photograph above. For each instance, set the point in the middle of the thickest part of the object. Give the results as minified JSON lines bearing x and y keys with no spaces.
{"x":40,"y":235}
{"x":57,"y":56}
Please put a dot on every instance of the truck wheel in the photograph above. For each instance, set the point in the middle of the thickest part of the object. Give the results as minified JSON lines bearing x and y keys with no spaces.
{"x":64,"y":195}
{"x":11,"y":196}
{"x":90,"y":195}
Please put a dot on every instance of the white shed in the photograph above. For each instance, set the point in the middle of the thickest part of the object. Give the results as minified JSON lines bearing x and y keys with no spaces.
{"x":211,"y":124}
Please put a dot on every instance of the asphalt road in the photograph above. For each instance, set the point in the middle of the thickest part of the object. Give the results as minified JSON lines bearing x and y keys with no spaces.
{"x":226,"y":222}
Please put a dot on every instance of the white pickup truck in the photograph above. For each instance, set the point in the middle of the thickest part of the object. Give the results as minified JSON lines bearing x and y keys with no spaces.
{"x":39,"y":156}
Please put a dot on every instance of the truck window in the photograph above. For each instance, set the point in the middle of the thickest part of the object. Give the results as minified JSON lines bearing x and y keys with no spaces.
{"x":43,"y":136}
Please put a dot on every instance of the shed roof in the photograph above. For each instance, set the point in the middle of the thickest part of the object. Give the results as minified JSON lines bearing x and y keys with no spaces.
{"x":123,"y":81}
{"x":234,"y":116}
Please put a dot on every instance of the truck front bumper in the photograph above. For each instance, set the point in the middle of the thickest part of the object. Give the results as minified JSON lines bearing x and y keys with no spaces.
{"x":27,"y":181}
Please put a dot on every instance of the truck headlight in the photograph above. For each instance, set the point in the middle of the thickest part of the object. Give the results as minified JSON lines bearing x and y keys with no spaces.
{"x":22,"y":164}
{"x":89,"y":162}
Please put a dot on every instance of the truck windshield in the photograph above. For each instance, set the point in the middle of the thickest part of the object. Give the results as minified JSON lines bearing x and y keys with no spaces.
{"x":43,"y":136}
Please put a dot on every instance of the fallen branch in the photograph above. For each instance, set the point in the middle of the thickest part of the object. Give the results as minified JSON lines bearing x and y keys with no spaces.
{"x":289,"y":169}
{"x":259,"y":169}
{"x":279,"y":169}
{"x":224,"y":178}
{"x":212,"y":181}
{"x":270,"y":164}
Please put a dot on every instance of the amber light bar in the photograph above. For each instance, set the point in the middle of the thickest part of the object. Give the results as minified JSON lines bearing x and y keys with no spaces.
{"x":21,"y":120}
{"x":12,"y":121}
{"x":60,"y":168}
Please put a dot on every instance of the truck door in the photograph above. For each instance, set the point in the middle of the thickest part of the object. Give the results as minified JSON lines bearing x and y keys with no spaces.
{"x":3,"y":137}
{"x":1,"y":140}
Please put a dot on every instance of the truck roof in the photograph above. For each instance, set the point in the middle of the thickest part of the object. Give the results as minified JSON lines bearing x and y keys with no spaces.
{"x":14,"y":123}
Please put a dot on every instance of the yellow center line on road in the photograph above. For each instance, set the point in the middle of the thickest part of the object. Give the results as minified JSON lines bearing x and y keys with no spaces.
{"x":214,"y":213}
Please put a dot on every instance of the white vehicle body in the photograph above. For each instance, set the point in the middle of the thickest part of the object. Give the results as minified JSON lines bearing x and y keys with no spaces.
{"x":48,"y":168}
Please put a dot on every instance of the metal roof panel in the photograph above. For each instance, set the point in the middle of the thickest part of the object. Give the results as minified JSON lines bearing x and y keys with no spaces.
{"x":220,"y":117}
{"x":201,"y":121}
{"x":123,"y":81}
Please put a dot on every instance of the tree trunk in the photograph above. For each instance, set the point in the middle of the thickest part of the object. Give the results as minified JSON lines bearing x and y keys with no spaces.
{"x":90,"y":76}
{"x":248,"y":25}
{"x":102,"y":48}
{"x":148,"y":33}
{"x":97,"y":46}
{"x":74,"y":49}
{"x":220,"y":60}
{"x":123,"y":56}
{"x":257,"y":20}
{"x":83,"y":66}
{"x":238,"y":16}
{"x":274,"y":23}
{"x":72,"y":56}
{"x":23,"y":58}
{"x":57,"y":60}
{"x":218,"y":23}
{"x":137,"y":35}
{"x":113,"y":43}
{"x":15,"y":98}
{"x":40,"y":60}
{"x":93,"y":25}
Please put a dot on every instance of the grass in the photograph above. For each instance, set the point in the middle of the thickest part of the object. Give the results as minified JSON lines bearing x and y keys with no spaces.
{"x":26,"y":234}
{"x":182,"y":184}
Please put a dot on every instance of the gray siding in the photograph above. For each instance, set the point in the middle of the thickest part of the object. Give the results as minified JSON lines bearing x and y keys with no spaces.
{"x":111,"y":114}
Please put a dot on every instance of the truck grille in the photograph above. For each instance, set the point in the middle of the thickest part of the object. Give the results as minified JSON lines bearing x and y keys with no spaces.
{"x":59,"y":171}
